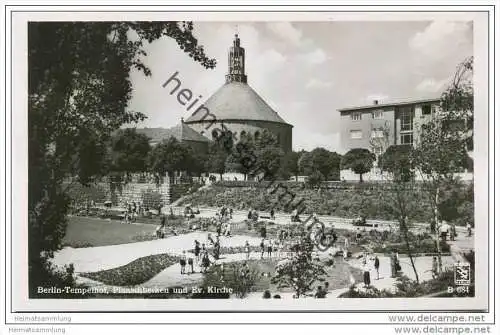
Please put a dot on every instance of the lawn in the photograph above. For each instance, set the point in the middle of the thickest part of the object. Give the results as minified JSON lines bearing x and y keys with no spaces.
{"x":93,"y":232}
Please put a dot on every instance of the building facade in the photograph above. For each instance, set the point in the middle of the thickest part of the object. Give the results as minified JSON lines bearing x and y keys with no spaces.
{"x":181,"y":132}
{"x":376,"y":127}
{"x":238,"y":107}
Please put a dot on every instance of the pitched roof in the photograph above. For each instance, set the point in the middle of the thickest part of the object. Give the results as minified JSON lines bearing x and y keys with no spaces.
{"x":392,"y":104}
{"x":181,"y":132}
{"x":237,"y":101}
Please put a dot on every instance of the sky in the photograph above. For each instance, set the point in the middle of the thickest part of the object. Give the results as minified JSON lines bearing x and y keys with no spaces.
{"x":306,"y":71}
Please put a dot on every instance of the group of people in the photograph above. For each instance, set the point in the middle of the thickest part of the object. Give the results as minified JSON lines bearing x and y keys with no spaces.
{"x":201,"y":258}
{"x":132,"y":211}
{"x":253,"y":215}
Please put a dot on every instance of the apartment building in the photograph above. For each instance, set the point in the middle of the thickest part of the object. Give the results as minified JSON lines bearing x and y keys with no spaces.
{"x":377,"y":126}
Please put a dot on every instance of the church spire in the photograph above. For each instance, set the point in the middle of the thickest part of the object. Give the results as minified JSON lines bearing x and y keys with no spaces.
{"x":236,"y":62}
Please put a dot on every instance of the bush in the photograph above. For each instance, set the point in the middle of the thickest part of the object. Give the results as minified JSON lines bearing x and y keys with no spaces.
{"x":42,"y":273}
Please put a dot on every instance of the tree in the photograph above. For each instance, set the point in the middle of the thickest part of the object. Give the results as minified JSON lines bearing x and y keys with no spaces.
{"x":397,"y":161}
{"x":441,"y":149}
{"x":78,"y":92}
{"x":301,"y":270}
{"x":359,"y":160}
{"x":321,"y":160}
{"x":242,"y":157}
{"x":381,"y":142}
{"x":167,"y":157}
{"x":129,"y":151}
{"x":269,"y":155}
{"x":290,"y":164}
{"x":216,"y":160}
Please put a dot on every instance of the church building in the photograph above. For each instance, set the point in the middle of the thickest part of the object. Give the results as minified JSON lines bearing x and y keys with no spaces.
{"x":239,"y":108}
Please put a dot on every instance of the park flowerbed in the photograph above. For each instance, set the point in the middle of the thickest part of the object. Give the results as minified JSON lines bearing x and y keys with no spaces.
{"x":135,"y":272}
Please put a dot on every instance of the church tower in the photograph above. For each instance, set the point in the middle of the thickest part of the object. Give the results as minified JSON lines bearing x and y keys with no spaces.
{"x":236,"y":63}
{"x":238,"y":107}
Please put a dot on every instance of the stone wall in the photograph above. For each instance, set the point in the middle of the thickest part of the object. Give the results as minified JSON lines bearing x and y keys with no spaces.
{"x":131,"y":192}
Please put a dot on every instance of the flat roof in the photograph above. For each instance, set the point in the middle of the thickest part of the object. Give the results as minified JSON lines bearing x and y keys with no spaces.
{"x":392,"y":104}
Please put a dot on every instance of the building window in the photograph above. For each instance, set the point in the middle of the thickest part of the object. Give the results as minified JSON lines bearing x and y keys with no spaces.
{"x":406,"y":117}
{"x":356,"y":116}
{"x":356,"y":134}
{"x":377,"y":133}
{"x":378,"y":114}
{"x":407,"y":138}
{"x":426,"y":110}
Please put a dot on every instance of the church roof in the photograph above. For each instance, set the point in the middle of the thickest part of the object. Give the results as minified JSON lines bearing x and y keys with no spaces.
{"x":182,"y":132}
{"x":237,"y":101}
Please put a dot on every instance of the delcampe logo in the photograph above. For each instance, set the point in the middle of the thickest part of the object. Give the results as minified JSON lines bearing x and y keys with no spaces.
{"x":462,"y":274}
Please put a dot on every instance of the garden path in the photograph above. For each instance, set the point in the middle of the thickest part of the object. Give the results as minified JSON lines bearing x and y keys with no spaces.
{"x":107,"y":257}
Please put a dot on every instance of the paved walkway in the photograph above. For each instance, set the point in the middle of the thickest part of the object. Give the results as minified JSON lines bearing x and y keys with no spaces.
{"x":107,"y":257}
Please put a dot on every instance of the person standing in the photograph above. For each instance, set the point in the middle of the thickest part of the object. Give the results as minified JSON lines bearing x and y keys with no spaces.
{"x":217,"y":249}
{"x":377,"y":266}
{"x":346,"y":242}
{"x":205,"y":261}
{"x":366,"y":276}
{"x":197,"y":250}
{"x":247,"y":250}
{"x":263,"y":232}
{"x":469,"y":229}
{"x":272,"y":214}
{"x":269,"y":248}
{"x":183,"y":262}
{"x":443,"y":230}
{"x":262,"y":249}
{"x":191,"y":264}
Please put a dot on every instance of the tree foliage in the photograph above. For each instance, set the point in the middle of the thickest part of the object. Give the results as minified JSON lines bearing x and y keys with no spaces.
{"x":301,"y":270}
{"x":359,"y":160}
{"x":242,"y":156}
{"x":441,"y":150}
{"x":291,"y":164}
{"x":321,"y":160}
{"x":397,"y":160}
{"x":78,"y":92}
{"x":129,"y":151}
{"x":269,"y":155}
{"x":167,"y":157}
{"x":216,"y":160}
